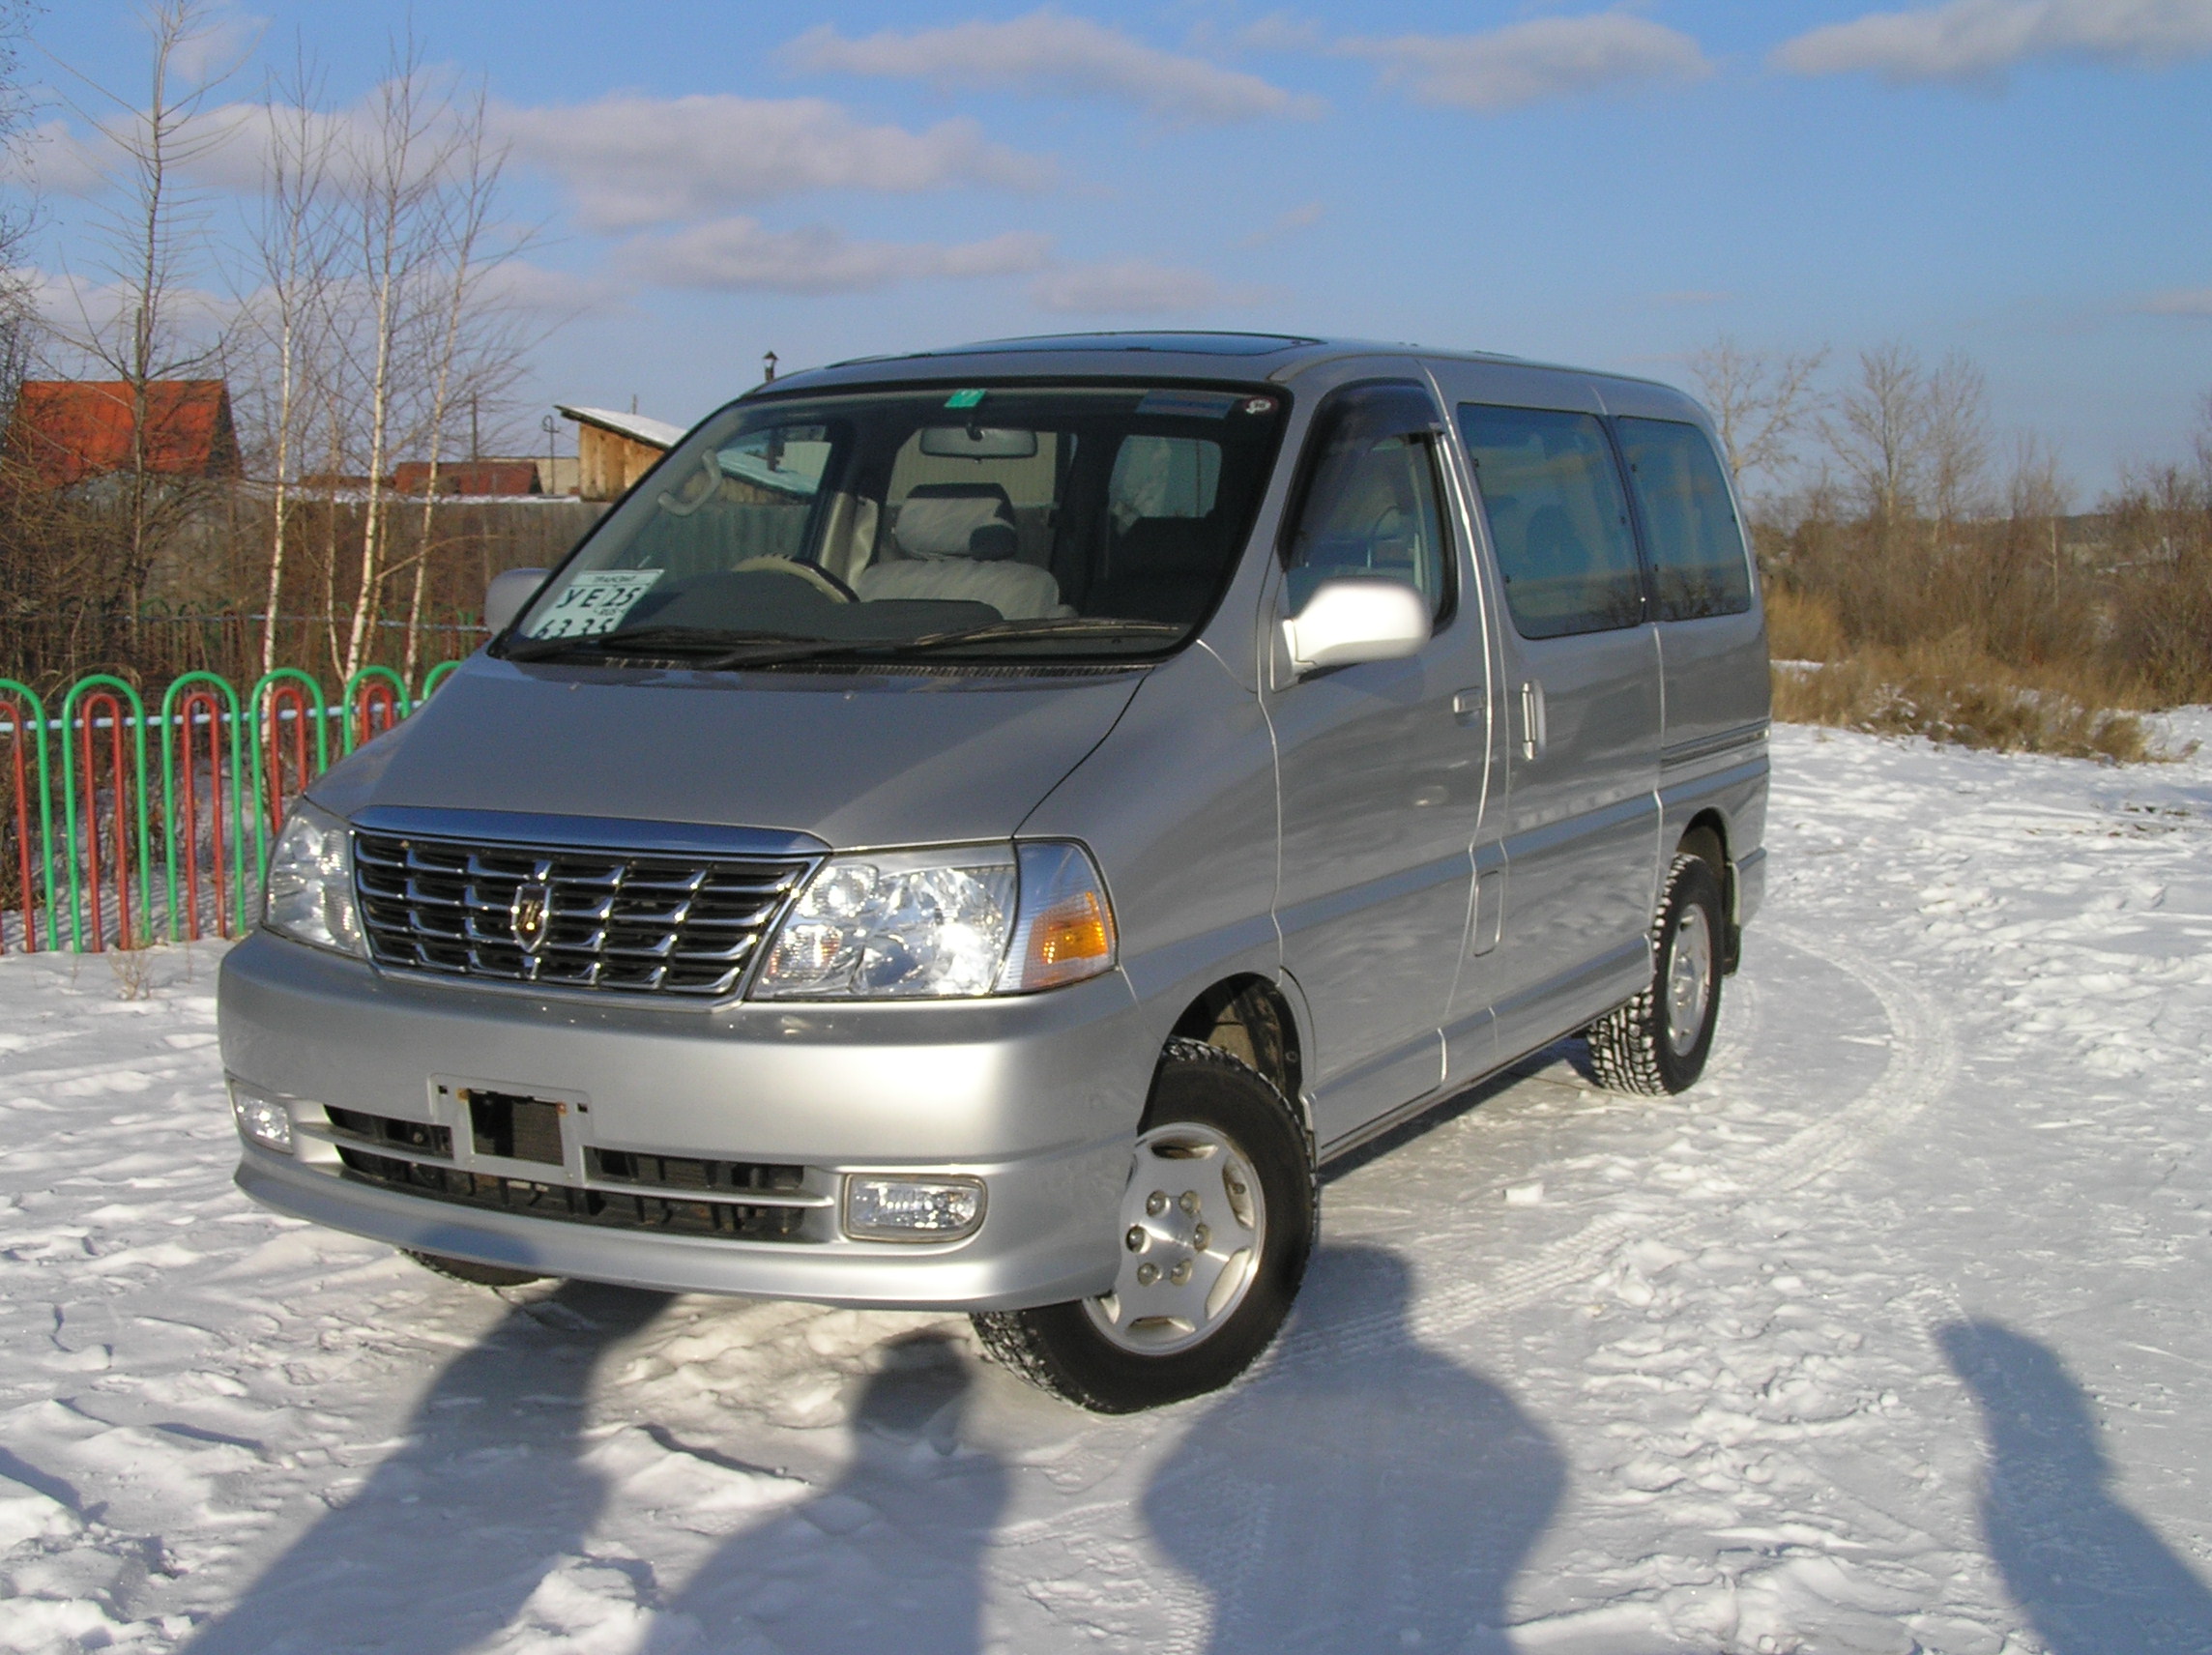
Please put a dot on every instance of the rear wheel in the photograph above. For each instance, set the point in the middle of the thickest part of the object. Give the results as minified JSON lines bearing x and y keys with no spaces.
{"x":1212,"y":1234}
{"x":477,"y":1275}
{"x":1658,"y":1042}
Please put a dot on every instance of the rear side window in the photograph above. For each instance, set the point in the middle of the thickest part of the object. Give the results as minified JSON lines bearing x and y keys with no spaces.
{"x":1369,"y":503}
{"x":1558,"y":518}
{"x":1690,"y":530}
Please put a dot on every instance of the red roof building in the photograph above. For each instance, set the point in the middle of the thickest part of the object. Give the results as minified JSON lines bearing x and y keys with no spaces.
{"x":467,"y":477}
{"x":64,"y":431}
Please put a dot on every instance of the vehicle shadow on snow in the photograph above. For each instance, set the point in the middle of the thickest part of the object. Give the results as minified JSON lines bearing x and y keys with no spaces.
{"x":889,"y":1557}
{"x":1357,"y":1496}
{"x":2091,"y":1576}
{"x":449,"y":1535}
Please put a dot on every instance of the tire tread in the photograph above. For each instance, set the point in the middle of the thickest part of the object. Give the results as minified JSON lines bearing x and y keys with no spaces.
{"x":1624,"y":1043}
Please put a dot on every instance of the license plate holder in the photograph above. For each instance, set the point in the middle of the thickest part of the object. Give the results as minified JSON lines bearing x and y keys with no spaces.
{"x":513,"y":1129}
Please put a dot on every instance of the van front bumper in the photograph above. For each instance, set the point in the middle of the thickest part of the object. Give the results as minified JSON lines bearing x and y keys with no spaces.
{"x":1037,"y":1098}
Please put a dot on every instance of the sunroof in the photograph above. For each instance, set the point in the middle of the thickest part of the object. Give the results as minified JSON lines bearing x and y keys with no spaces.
{"x":1186,"y":344}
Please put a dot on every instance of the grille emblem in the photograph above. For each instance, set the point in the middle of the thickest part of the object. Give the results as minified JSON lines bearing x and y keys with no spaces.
{"x":529,"y":914}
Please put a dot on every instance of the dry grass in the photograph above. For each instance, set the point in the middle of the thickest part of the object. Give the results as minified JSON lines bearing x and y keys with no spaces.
{"x":1950,"y":691}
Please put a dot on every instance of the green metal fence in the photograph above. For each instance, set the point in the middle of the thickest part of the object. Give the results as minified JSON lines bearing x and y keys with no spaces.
{"x":121,"y":827}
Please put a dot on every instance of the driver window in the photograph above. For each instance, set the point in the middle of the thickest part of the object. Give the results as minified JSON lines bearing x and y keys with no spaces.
{"x":1370,"y":505}
{"x":752,"y":497}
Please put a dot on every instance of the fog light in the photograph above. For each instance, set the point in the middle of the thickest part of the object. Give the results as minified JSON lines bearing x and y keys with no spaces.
{"x":263,"y":1120}
{"x":913,"y":1209}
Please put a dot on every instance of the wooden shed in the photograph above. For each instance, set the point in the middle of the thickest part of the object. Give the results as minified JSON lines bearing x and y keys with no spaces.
{"x":613,"y":450}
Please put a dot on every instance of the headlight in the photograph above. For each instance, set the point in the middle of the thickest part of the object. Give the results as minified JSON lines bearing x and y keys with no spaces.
{"x":308,"y":893}
{"x":943,"y":924}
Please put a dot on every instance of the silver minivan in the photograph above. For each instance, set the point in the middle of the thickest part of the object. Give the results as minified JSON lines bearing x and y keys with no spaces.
{"x":981,"y":830}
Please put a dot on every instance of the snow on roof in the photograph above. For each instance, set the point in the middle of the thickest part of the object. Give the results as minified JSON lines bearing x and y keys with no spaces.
{"x":654,"y":434}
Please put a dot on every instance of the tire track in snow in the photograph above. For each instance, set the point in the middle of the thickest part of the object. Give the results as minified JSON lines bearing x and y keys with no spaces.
{"x":1923,"y":1059}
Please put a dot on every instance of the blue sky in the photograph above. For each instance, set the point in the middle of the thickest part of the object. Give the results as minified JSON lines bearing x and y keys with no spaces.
{"x":2023,"y":181}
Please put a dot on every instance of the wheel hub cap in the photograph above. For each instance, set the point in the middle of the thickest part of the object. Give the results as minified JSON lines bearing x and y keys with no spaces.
{"x":1191,"y":1225}
{"x":1689,"y":980}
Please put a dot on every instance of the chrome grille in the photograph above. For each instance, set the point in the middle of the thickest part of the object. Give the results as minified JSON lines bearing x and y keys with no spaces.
{"x":635,"y":922}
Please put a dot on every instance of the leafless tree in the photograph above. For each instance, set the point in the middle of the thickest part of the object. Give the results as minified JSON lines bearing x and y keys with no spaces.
{"x":18,"y":320}
{"x":1877,"y":429}
{"x":150,"y":245}
{"x":396,"y":166}
{"x":1760,"y":403}
{"x":472,"y":349}
{"x":1955,"y":427}
{"x":295,"y":258}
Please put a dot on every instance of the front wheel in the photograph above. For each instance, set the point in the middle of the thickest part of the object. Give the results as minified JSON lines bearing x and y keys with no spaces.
{"x":1658,"y":1042}
{"x":1212,"y":1234}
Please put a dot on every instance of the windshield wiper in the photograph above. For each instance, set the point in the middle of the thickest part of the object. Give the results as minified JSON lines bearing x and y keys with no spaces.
{"x":646,"y":640}
{"x":1031,"y":631}
{"x":772,"y":649}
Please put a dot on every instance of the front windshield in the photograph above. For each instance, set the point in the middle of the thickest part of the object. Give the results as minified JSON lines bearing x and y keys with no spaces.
{"x":999,"y":520}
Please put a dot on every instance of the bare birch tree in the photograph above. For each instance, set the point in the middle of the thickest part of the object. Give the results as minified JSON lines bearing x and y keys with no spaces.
{"x":397,"y":166}
{"x":1759,"y":401}
{"x":151,"y":243}
{"x":295,"y":257}
{"x":467,"y":357}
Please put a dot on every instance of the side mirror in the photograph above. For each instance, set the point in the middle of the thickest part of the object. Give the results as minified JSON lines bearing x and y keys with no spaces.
{"x":1354,"y":620}
{"x":504,"y":598}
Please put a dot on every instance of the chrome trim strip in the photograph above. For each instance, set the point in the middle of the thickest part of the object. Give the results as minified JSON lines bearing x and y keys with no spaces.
{"x":1704,"y":746}
{"x":523,"y":829}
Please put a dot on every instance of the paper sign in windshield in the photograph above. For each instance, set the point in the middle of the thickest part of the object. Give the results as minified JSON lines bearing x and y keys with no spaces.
{"x":1187,"y":404}
{"x":594,"y":602}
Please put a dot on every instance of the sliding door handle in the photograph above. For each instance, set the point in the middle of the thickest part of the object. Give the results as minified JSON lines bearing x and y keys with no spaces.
{"x":1467,"y":706}
{"x":1531,"y":719}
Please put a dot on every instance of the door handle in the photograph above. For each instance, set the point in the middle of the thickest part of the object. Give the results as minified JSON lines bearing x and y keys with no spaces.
{"x":1531,"y":719}
{"x":1470,"y":705}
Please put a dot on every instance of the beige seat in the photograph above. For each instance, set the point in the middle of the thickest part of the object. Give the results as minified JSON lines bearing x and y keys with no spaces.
{"x":956,"y":540}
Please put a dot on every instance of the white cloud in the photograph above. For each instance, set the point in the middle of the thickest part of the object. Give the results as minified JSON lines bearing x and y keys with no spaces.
{"x":1532,"y":62}
{"x":1287,"y":224}
{"x":1979,"y":40}
{"x":1048,"y":53}
{"x":634,"y":161}
{"x":2180,"y":302}
{"x":59,"y":162}
{"x":740,"y":255}
{"x":550,"y":294}
{"x":1129,"y":287}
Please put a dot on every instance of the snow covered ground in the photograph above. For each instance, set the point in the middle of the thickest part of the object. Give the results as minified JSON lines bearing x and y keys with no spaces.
{"x":1889,"y":1336}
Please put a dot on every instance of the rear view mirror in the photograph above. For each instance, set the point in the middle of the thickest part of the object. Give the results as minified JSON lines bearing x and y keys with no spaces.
{"x":507,"y":593}
{"x":1354,"y":620}
{"x":977,"y":443}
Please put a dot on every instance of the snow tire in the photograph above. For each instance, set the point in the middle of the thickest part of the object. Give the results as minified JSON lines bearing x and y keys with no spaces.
{"x":1060,"y":1348}
{"x":1636,"y":1048}
{"x":474,"y":1274}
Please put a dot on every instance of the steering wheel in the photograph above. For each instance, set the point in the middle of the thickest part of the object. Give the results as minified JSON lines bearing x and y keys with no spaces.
{"x":828,"y":584}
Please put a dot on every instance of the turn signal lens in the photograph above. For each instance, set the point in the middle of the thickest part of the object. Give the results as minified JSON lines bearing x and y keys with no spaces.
{"x":913,"y":1209}
{"x":1066,"y":929}
{"x":262,"y":1120}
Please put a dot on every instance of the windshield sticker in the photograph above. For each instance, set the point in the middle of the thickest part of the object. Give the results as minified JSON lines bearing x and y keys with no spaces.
{"x":1188,"y":404}
{"x":964,"y":399}
{"x":594,"y":602}
{"x":1257,"y":405}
